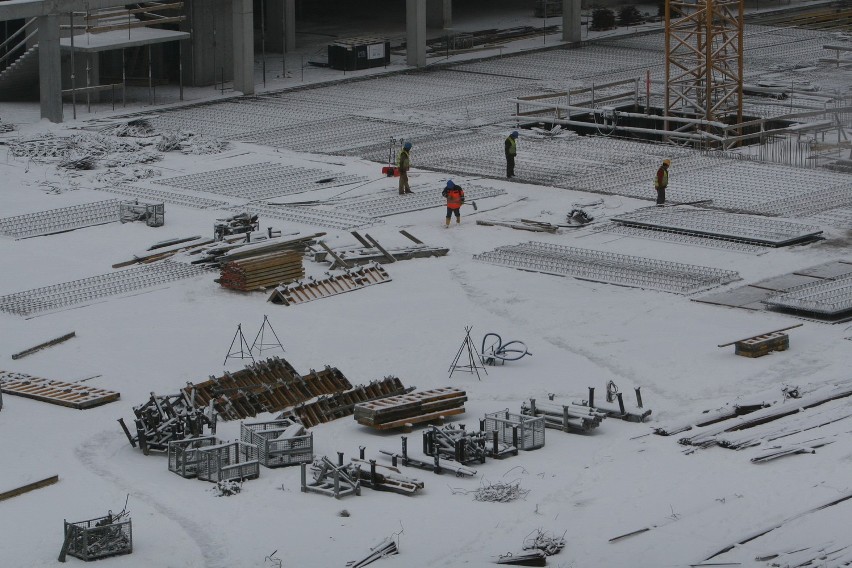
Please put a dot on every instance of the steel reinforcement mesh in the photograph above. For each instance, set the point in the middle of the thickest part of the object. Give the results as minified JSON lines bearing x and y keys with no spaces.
{"x":609,"y":267}
{"x":59,"y":220}
{"x":260,"y":181}
{"x":170,"y":197}
{"x":832,"y":297}
{"x":89,"y":289}
{"x":421,"y":199}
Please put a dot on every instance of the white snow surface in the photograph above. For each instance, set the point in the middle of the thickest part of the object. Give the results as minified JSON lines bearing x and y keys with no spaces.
{"x":617,"y":479}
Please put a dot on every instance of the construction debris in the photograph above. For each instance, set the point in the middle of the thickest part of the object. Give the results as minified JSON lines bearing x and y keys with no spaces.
{"x":568,"y":417}
{"x":372,"y":251}
{"x":387,"y":547}
{"x":495,"y":352}
{"x":40,"y":346}
{"x":228,"y":488}
{"x":413,"y":408}
{"x":383,"y":477}
{"x":530,"y":558}
{"x":238,"y":224}
{"x":329,"y":479}
{"x":279,"y":442}
{"x":499,"y":492}
{"x":521,"y":224}
{"x":236,"y":247}
{"x":331,"y":407}
{"x":311,"y":289}
{"x":578,"y":218}
{"x":71,"y":395}
{"x":760,"y":345}
{"x":98,"y":538}
{"x":620,"y":411}
{"x":437,"y":464}
{"x":544,"y":541}
{"x":166,"y":419}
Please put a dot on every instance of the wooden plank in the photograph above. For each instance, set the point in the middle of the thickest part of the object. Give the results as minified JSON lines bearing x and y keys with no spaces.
{"x":759,"y":334}
{"x":361,"y":239}
{"x":389,"y":256}
{"x":333,"y":254}
{"x":415,"y":419}
{"x":409,"y":236}
{"x":29,"y":487}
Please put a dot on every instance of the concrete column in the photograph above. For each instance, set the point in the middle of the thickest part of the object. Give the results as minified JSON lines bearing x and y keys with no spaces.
{"x":289,"y":26}
{"x":439,"y":13}
{"x":50,"y":68}
{"x":243,"y":26}
{"x":415,"y":18}
{"x":571,"y":30}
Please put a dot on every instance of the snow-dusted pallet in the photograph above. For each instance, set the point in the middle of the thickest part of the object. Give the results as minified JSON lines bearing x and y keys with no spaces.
{"x":72,"y":395}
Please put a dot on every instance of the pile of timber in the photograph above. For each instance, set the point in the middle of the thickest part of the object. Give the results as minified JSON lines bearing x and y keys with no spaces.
{"x":569,"y":417}
{"x":224,"y":252}
{"x":265,"y":386}
{"x":310,"y":289}
{"x":372,"y":251}
{"x":72,"y":395}
{"x":413,"y":408}
{"x":262,"y":271}
{"x":334,"y":406}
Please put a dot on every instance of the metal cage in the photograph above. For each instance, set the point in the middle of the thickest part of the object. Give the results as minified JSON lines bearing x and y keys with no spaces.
{"x":184,"y":456}
{"x":154,"y":214}
{"x":523,"y":432}
{"x":226,"y":462}
{"x":279,"y":442}
{"x":98,"y":538}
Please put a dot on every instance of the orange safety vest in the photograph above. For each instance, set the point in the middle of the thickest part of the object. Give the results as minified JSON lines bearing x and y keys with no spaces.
{"x":455,"y":198}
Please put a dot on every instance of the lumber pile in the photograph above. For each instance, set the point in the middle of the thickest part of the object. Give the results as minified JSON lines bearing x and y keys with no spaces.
{"x":334,"y":406}
{"x":231,"y":250}
{"x":266,"y":386}
{"x":262,"y":271}
{"x":72,"y":395}
{"x":569,"y":417}
{"x":413,"y":408}
{"x":372,"y":251}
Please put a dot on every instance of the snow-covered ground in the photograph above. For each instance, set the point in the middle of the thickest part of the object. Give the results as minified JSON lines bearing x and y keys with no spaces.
{"x":688,"y":503}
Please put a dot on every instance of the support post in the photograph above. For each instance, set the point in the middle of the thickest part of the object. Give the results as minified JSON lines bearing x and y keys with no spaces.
{"x":571,"y":29}
{"x":50,"y":68}
{"x":289,"y":25}
{"x":243,"y":32}
{"x":415,"y":18}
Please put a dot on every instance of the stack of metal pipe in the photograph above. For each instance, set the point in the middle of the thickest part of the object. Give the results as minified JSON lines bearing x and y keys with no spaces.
{"x":568,"y":417}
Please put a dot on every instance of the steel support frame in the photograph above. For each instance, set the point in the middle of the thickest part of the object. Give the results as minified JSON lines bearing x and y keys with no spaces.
{"x":704,"y":60}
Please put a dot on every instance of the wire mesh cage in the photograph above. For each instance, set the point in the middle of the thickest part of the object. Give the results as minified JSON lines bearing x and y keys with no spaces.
{"x":184,"y":455}
{"x":279,"y":442}
{"x":226,"y":462}
{"x":523,"y":432}
{"x":98,"y":538}
{"x":154,"y":214}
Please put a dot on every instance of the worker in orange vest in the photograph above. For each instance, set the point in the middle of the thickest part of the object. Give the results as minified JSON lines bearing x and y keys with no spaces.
{"x":455,"y":198}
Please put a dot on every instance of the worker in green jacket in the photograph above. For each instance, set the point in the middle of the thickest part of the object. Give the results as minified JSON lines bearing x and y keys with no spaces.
{"x":511,"y":147}
{"x":403,"y":162}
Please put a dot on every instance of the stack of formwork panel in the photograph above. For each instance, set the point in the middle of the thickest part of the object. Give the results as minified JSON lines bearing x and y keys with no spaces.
{"x":334,"y":406}
{"x":279,"y":442}
{"x":399,"y":411}
{"x":266,"y":386}
{"x":568,"y":417}
{"x":262,"y":271}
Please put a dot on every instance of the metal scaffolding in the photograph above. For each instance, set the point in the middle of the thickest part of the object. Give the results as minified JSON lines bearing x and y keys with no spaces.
{"x":704,"y":61}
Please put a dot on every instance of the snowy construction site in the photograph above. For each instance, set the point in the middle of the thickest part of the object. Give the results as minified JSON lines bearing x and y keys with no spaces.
{"x":231,"y":339}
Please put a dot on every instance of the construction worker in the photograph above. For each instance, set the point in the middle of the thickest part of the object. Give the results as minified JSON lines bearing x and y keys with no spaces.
{"x":403,"y":162}
{"x":455,"y":198}
{"x":661,"y":181}
{"x":511,"y":147}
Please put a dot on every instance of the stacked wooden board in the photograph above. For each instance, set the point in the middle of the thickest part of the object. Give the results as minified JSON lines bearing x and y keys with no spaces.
{"x":73,"y":395}
{"x":262,"y":271}
{"x":266,"y":386}
{"x":310,"y":289}
{"x":413,"y":408}
{"x":331,"y":407}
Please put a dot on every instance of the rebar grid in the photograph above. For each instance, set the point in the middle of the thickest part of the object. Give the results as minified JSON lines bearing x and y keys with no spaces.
{"x":808,"y":203}
{"x":715,"y":224}
{"x":682,"y":239}
{"x":170,"y":197}
{"x":840,"y":217}
{"x":87,"y":289}
{"x":260,"y":181}
{"x":830,"y":297}
{"x":329,"y":219}
{"x":421,"y":199}
{"x":62,"y":219}
{"x":609,"y":267}
{"x":340,"y":135}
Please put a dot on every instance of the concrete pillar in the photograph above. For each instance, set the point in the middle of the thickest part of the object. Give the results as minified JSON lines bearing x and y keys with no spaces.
{"x":289,"y":26}
{"x":243,"y":26}
{"x":208,"y":53}
{"x":415,"y":19}
{"x":571,"y":30}
{"x":50,"y":68}
{"x":439,"y":13}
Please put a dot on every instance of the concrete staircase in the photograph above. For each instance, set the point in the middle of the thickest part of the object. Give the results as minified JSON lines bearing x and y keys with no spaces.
{"x":19,"y":81}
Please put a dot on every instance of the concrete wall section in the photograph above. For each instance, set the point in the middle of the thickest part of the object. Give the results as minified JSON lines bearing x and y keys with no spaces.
{"x":209,"y":54}
{"x":571,"y":30}
{"x":243,"y":37}
{"x":50,"y":68}
{"x":415,"y":18}
{"x":439,"y":13}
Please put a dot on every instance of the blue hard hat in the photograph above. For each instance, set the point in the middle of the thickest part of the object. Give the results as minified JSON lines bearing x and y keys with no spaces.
{"x":407,"y":146}
{"x":450,"y":184}
{"x":514,"y":134}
